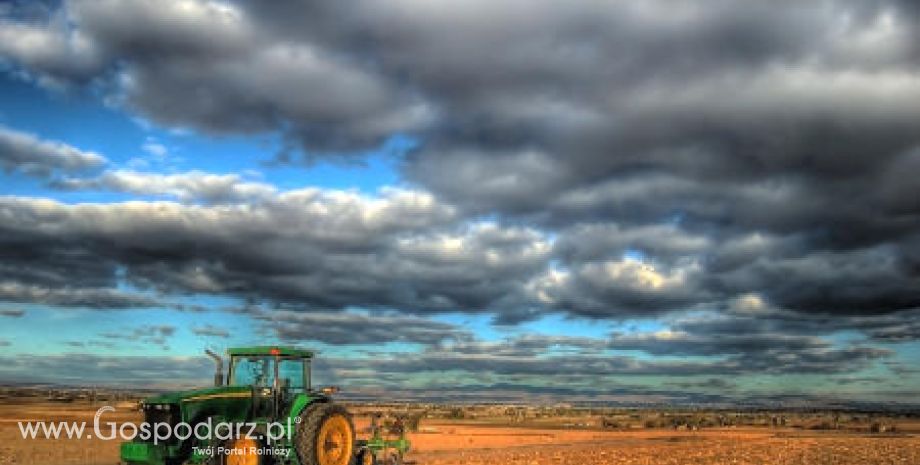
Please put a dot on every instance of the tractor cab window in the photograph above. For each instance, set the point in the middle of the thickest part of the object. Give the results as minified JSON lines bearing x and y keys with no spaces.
{"x":253,"y":371}
{"x":259,"y":371}
{"x":291,"y":373}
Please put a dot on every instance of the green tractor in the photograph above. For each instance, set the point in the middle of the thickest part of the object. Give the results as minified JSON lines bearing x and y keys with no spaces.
{"x":265,"y":412}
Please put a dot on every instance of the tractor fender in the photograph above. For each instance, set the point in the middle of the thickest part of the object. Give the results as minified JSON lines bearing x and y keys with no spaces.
{"x":302,"y":401}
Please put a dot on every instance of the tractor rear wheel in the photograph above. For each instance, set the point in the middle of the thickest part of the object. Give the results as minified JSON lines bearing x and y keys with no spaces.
{"x":325,"y":435}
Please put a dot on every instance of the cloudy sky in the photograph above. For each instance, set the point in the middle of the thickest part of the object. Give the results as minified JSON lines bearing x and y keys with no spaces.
{"x":669,"y":200}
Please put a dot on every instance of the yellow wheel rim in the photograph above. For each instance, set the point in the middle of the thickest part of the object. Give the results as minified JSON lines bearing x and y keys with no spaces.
{"x":243,"y":452}
{"x":334,"y":443}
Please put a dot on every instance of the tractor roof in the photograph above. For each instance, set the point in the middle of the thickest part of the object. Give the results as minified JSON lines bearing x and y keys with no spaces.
{"x":271,"y":350}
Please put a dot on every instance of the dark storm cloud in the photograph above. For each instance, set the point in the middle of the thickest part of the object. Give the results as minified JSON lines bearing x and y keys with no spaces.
{"x":12,"y":312}
{"x":800,"y":129}
{"x":26,"y":153}
{"x":588,"y":367}
{"x":872,"y":280}
{"x":754,"y":352}
{"x":902,"y":369}
{"x":307,"y":249}
{"x":97,"y":298}
{"x":678,"y":343}
{"x":351,"y":328}
{"x":682,"y":155}
{"x":537,"y":343}
{"x":814,"y":361}
{"x":87,"y":369}
{"x":594,"y":241}
{"x":903,"y":332}
{"x":191,"y":64}
{"x":717,"y":384}
{"x":890,"y":328}
{"x":210,"y":331}
{"x":585,"y":358}
{"x":576,"y":366}
{"x":157,"y":335}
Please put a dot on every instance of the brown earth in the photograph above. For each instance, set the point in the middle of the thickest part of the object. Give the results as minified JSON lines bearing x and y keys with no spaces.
{"x":484,"y":445}
{"x":448,"y":442}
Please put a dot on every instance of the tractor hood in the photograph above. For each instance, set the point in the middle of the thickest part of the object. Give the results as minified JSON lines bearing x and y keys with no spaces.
{"x":200,"y":395}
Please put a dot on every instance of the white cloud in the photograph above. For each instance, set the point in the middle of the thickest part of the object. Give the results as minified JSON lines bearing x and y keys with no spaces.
{"x":155,"y":148}
{"x":187,"y":187}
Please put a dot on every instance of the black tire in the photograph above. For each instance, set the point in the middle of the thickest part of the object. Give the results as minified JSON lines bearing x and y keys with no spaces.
{"x":309,"y":428}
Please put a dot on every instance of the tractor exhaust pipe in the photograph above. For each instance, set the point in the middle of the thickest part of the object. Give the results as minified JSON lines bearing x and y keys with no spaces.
{"x":219,"y":372}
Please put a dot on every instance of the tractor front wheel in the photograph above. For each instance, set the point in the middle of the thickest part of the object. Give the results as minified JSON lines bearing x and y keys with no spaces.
{"x":242,"y":451}
{"x":325,"y":435}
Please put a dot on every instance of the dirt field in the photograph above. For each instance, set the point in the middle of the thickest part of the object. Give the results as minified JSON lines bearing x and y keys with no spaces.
{"x":486,"y":445}
{"x":444,"y":442}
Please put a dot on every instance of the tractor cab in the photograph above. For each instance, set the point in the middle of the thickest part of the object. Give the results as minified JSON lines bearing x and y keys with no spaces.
{"x":270,"y":368}
{"x":275,"y":375}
